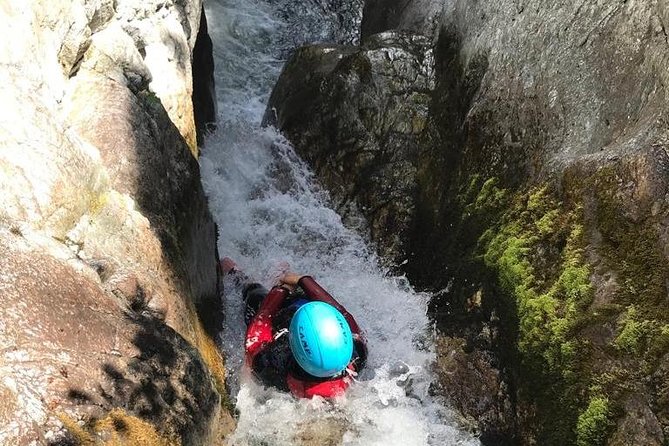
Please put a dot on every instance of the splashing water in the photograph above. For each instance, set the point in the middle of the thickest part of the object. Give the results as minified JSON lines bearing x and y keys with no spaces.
{"x":269,"y":208}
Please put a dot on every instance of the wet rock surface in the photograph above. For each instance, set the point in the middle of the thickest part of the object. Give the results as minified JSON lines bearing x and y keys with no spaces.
{"x":357,"y":115}
{"x":476,"y":388}
{"x":534,"y":206}
{"x":318,"y":21}
{"x":71,"y":351}
{"x":109,"y":251}
{"x":414,"y":16}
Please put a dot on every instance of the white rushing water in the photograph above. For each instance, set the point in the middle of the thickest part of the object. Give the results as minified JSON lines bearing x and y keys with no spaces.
{"x":269,"y":208}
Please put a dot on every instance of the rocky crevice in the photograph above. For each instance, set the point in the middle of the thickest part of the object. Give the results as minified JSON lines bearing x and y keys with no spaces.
{"x":204,"y":88}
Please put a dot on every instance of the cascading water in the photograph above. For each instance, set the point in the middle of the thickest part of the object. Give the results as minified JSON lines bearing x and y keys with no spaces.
{"x":269,"y":208}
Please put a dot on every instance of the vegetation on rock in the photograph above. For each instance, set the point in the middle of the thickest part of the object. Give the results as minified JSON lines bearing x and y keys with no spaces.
{"x":540,"y":249}
{"x":535,"y":247}
{"x":549,"y":302}
{"x":593,"y":423}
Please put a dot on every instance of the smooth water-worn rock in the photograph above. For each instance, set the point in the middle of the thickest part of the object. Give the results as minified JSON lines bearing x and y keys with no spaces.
{"x":539,"y":205}
{"x":108,"y":247}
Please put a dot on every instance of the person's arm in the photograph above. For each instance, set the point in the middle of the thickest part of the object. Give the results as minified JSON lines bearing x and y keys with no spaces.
{"x":315,"y":292}
{"x":260,"y":333}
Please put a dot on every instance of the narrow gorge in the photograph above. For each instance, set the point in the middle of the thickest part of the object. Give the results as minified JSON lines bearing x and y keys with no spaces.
{"x":484,"y":185}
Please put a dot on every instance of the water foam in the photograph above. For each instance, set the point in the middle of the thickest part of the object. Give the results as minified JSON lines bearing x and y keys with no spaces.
{"x":270,"y":208}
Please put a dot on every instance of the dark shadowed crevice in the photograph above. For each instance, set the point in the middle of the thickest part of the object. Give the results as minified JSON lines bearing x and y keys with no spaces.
{"x":204,"y":92}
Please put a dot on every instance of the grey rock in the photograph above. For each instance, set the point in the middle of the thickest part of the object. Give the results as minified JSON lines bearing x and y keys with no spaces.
{"x":361,"y":111}
{"x":638,"y":425}
{"x":476,"y":388}
{"x":318,"y":21}
{"x":415,"y":16}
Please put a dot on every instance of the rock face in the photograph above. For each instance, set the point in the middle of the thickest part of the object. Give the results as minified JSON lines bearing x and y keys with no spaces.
{"x":108,"y":248}
{"x":361,"y":111}
{"x":538,"y":206}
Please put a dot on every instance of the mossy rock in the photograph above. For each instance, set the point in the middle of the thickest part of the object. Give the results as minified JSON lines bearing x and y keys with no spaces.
{"x":594,"y":422}
{"x":576,"y":358}
{"x":536,"y":249}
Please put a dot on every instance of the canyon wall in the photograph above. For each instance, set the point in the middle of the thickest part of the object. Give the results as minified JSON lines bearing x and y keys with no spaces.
{"x":108,"y":270}
{"x":511,"y":157}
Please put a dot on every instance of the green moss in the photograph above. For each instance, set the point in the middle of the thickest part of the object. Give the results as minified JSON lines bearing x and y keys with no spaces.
{"x":490,"y":194}
{"x":535,"y":248}
{"x":632,"y":332}
{"x":593,"y":424}
{"x":480,"y":197}
{"x":538,"y":199}
{"x":472,"y":190}
{"x":546,"y":224}
{"x":643,"y":338}
{"x":548,"y":307}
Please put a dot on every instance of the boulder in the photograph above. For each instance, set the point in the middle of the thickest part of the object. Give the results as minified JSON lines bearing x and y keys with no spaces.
{"x":362,"y":111}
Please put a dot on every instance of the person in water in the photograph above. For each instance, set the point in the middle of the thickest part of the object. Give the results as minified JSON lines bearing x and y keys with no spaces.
{"x":299,"y":338}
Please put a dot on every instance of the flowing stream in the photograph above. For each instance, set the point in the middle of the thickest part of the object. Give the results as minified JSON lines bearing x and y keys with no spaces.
{"x":270,"y":209}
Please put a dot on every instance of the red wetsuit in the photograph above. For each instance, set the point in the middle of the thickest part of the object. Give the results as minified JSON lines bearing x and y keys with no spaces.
{"x":261,"y":334}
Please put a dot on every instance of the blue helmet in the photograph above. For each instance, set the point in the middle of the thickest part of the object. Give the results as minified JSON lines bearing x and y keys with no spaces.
{"x":320,"y":339}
